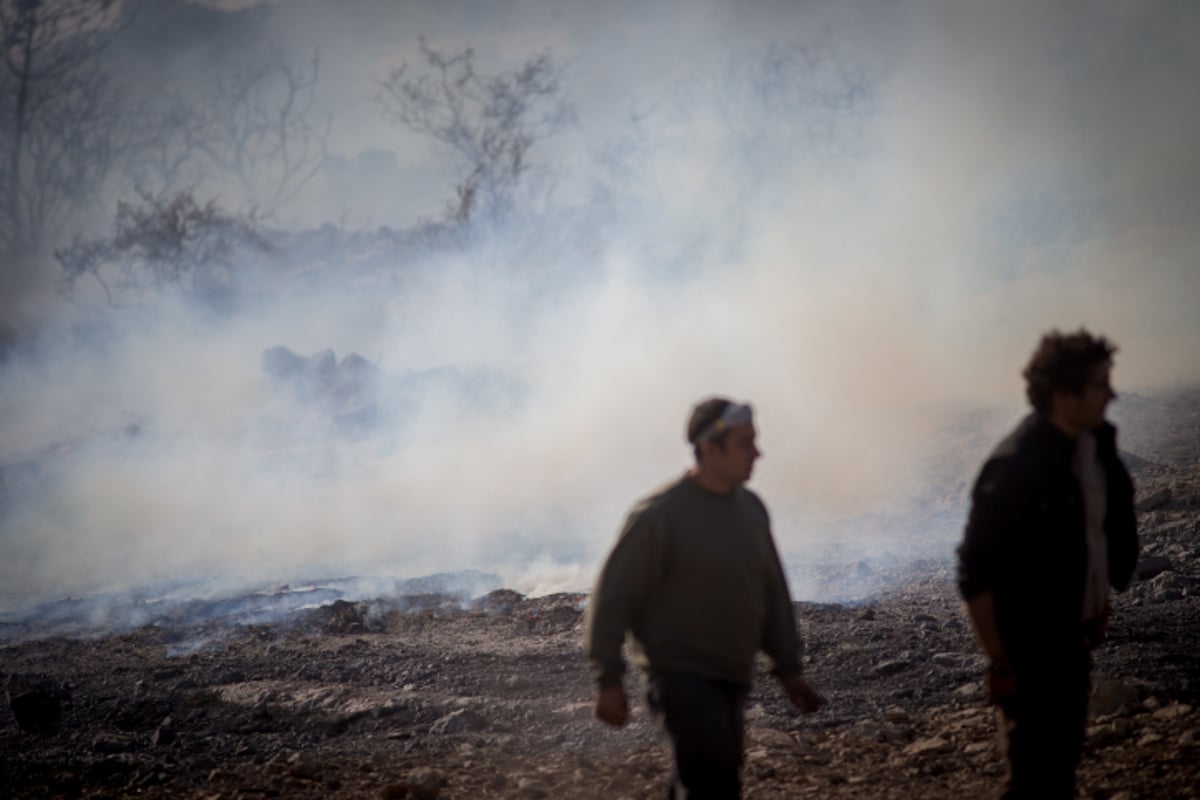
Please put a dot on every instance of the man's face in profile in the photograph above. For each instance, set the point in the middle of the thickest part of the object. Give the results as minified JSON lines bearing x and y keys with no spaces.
{"x":734,"y":461}
{"x":1089,"y":406}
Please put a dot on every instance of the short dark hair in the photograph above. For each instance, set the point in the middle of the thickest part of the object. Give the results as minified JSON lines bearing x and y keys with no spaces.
{"x":1063,"y":362}
{"x":704,"y":414}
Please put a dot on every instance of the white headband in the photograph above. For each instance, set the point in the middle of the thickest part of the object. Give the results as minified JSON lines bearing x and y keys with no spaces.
{"x":734,"y":414}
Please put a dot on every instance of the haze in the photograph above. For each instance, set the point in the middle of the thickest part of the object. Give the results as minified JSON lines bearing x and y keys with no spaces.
{"x":859,"y":216}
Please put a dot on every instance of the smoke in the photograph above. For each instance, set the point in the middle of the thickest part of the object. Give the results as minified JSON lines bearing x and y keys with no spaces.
{"x":858,"y":219}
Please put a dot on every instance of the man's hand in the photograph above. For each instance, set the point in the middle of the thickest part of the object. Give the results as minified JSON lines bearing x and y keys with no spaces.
{"x":611,"y":706}
{"x":802,"y":695}
{"x":1001,"y":685}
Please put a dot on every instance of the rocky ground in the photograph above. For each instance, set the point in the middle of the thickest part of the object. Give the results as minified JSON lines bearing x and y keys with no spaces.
{"x":427,"y":696}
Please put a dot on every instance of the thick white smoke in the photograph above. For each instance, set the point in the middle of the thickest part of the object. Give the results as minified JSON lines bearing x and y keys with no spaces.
{"x":861,"y":222}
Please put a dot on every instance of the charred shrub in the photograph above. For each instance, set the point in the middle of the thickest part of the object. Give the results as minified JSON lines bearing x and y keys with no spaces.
{"x":161,"y":244}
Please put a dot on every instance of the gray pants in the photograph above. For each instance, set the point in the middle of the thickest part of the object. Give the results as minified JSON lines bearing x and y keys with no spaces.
{"x":705,"y":722}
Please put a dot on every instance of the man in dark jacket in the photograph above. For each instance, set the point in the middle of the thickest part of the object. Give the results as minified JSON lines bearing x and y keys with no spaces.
{"x":1051,"y":528}
{"x":695,"y":582}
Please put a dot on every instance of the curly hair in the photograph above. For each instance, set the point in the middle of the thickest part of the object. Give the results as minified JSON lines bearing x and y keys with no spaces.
{"x":1063,"y":362}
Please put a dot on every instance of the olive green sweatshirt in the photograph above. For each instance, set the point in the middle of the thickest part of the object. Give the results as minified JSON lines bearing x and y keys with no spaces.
{"x":695,"y":580}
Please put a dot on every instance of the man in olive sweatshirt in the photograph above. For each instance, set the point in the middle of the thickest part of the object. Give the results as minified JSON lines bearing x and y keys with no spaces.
{"x":695,"y":582}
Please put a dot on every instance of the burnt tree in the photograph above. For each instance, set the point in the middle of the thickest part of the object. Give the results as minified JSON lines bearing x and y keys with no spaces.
{"x":160,"y":244}
{"x":490,"y":124}
{"x":60,"y":118}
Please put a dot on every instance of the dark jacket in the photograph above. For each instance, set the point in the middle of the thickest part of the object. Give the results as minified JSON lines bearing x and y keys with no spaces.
{"x":1025,"y":539}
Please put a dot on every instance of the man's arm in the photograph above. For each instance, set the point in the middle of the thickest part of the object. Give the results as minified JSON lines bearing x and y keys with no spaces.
{"x":628,"y":576}
{"x":1120,"y":523}
{"x":981,"y":608}
{"x":781,"y":641}
{"x":991,"y":523}
{"x":802,"y":695}
{"x":981,"y":558}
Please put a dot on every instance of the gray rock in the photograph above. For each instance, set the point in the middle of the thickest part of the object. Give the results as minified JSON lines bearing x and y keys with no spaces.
{"x":1170,"y":586}
{"x":979,"y":748}
{"x":771,"y":738}
{"x":892,"y":667}
{"x":1099,"y":734}
{"x":530,"y":789}
{"x":463,"y":720}
{"x":301,"y":766}
{"x":1109,"y":696}
{"x":282,"y":363}
{"x":517,"y":681}
{"x":930,"y":746}
{"x":111,"y":743}
{"x":1154,"y":500}
{"x":949,"y":660}
{"x":163,"y":735}
{"x":424,"y":784}
{"x":1147,"y":568}
{"x":36,"y":702}
{"x":1173,"y":711}
{"x":322,"y":366}
{"x":1108,"y":731}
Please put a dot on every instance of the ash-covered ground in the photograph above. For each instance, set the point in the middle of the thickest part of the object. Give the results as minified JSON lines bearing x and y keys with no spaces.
{"x":422,"y":693}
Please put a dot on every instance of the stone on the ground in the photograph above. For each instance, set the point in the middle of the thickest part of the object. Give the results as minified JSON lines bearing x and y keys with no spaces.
{"x":1148,"y":568}
{"x":530,"y":789}
{"x":771,"y":738}
{"x":464,"y":720}
{"x":892,"y":667}
{"x":111,"y":744}
{"x":1169,"y":586}
{"x":930,"y":746}
{"x":1154,"y":500}
{"x":164,"y":734}
{"x":301,"y":766}
{"x":1173,"y":711}
{"x":425,"y":783}
{"x":1110,"y":695}
{"x":35,"y":702}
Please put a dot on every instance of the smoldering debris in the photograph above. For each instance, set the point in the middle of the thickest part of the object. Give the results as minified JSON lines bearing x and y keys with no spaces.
{"x":186,"y":608}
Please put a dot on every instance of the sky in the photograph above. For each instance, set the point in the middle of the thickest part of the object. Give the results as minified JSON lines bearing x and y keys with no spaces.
{"x":858,"y":216}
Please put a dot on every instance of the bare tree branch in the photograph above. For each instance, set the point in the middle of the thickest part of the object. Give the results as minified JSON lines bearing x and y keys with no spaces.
{"x":57,"y":120}
{"x":261,"y":129}
{"x":159,"y":244}
{"x":490,"y":123}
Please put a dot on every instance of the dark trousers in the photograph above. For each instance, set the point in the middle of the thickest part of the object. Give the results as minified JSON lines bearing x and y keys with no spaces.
{"x":705,"y":722}
{"x":1043,"y":729}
